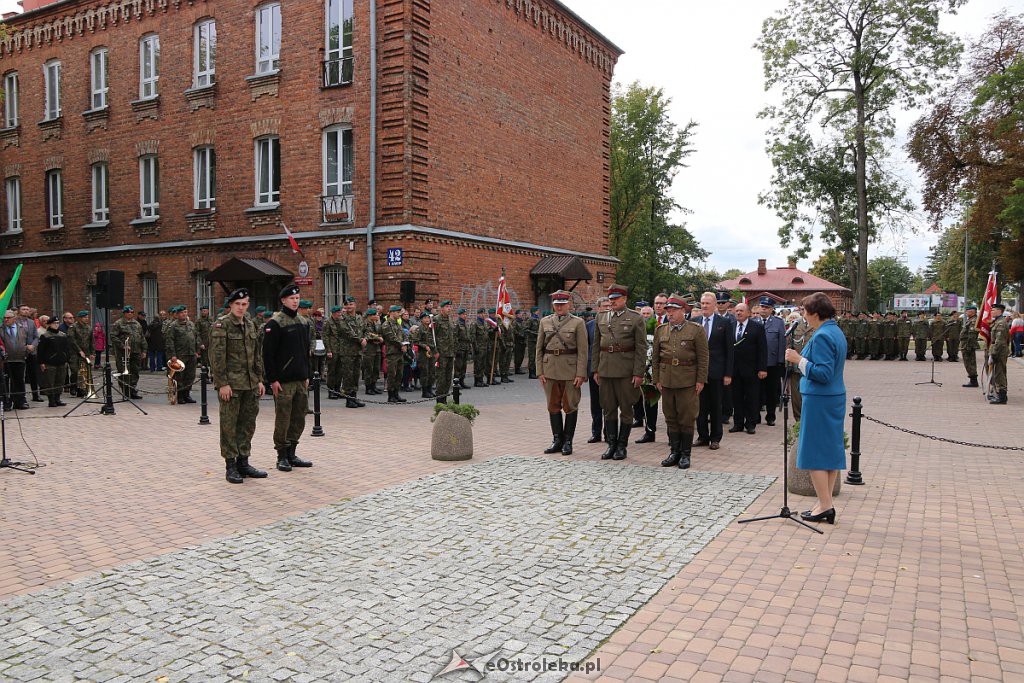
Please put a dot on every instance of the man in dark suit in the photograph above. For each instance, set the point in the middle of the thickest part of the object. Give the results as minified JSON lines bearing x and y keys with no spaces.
{"x":16,"y":341}
{"x":775,"y":332}
{"x":750,"y":363}
{"x":720,"y":336}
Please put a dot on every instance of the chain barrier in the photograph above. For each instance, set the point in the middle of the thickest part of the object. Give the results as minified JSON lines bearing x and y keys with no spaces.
{"x":942,"y":439}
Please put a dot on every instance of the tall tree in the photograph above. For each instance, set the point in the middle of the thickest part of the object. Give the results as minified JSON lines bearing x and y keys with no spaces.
{"x":647,"y":151}
{"x":845,"y":65}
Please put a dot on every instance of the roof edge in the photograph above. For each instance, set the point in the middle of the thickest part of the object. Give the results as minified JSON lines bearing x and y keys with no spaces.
{"x":587,"y":25}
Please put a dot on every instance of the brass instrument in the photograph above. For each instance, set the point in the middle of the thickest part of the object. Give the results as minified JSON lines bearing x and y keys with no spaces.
{"x":84,"y":380}
{"x":173,"y":366}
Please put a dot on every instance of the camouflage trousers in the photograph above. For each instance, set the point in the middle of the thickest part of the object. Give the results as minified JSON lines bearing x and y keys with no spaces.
{"x":904,"y":346}
{"x":461,"y":358}
{"x":937,"y":348}
{"x":970,"y":362}
{"x":504,"y":361}
{"x":518,"y":354}
{"x":187,"y":377}
{"x":335,"y":371}
{"x":238,"y":423}
{"x":999,"y":371}
{"x":531,"y":356}
{"x":371,"y":364}
{"x":350,"y":366}
{"x":396,"y":364}
{"x":425,"y":364}
{"x":482,"y":361}
{"x":127,"y":383}
{"x":920,"y":347}
{"x":445,"y":372}
{"x":290,"y":406}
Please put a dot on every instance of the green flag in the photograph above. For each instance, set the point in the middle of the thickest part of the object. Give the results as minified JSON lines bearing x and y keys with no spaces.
{"x":8,"y":293}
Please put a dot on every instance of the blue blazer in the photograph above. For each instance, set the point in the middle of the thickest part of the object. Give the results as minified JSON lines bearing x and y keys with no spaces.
{"x":826,"y":356}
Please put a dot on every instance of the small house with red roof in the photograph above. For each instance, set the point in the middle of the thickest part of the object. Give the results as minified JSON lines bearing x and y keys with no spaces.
{"x":787,"y":286}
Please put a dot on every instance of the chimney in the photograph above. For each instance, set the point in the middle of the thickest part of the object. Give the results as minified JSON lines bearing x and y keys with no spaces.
{"x":762,"y":266}
{"x":792,"y":263}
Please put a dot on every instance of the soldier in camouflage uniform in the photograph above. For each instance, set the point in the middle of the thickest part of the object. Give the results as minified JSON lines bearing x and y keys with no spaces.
{"x":845,"y":326}
{"x":519,"y":342}
{"x":904,"y":328}
{"x":889,"y":336}
{"x":921,"y":335}
{"x":287,"y":346}
{"x":860,"y":335}
{"x":203,"y":327}
{"x":237,"y":371}
{"x":395,"y":344}
{"x":506,"y":346}
{"x":84,"y":349}
{"x":532,"y":326}
{"x":423,"y":335}
{"x":372,"y":352}
{"x":937,"y":333}
{"x":463,"y":348}
{"x":332,"y":351}
{"x":305,"y":306}
{"x":875,"y":337}
{"x":953,"y":329}
{"x":997,"y":352}
{"x":352,"y":342}
{"x":127,"y":328}
{"x":482,"y":333}
{"x":968,"y":344}
{"x":182,"y":343}
{"x":444,"y":335}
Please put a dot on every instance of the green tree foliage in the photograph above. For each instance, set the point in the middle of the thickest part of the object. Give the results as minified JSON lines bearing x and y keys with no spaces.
{"x":647,"y":151}
{"x":887,"y":276}
{"x":843,"y":66}
{"x":946,"y":263}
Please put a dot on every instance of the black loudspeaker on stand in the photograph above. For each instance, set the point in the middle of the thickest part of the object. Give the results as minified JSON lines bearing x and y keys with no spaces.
{"x":4,"y":462}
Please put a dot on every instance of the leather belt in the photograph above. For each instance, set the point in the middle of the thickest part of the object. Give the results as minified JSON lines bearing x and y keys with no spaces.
{"x":615,"y":348}
{"x":559,"y":352}
{"x":676,"y":361}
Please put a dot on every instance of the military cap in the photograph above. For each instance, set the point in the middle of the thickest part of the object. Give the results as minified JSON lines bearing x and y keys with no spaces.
{"x":425,"y":314}
{"x":615,"y":291}
{"x":689,"y":299}
{"x":481,"y":310}
{"x":722,"y":297}
{"x":534,"y":309}
{"x":371,"y":311}
{"x":83,"y":314}
{"x":1000,"y":305}
{"x":206,"y":307}
{"x":128,"y":309}
{"x":641,"y":304}
{"x":240,"y":293}
{"x":970,"y":307}
{"x":767,"y":301}
{"x":260,"y":309}
{"x":335,"y":309}
{"x":394,"y":308}
{"x":349,"y":299}
{"x":305,"y":303}
{"x":675,"y":301}
{"x":289,"y":290}
{"x":492,"y":310}
{"x":461,"y":311}
{"x":54,"y":319}
{"x":563,"y":297}
{"x":446,"y":302}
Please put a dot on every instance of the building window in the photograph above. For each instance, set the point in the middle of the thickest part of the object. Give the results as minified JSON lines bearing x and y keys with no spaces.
{"x":149,"y":186}
{"x":149,"y":66}
{"x":337,"y":172}
{"x":205,"y":174}
{"x":150,"y":294}
{"x":98,"y":66}
{"x":11,"y":100}
{"x":335,"y":286}
{"x":51,"y":93}
{"x":100,"y":193}
{"x":204,"y":291}
{"x":268,"y":38}
{"x":338,"y":65}
{"x":268,"y":171}
{"x":13,"y":187}
{"x":205,"y":50}
{"x":54,"y":199}
{"x":57,"y":296}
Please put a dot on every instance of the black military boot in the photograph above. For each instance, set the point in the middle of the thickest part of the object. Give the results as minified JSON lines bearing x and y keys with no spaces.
{"x":58,"y":403}
{"x":611,"y":436}
{"x":399,"y":399}
{"x":333,"y":393}
{"x":623,"y":441}
{"x":351,"y":402}
{"x":520,"y":371}
{"x":508,"y":380}
{"x":393,"y":397}
{"x":231,"y":474}
{"x":36,"y":397}
{"x":187,"y":398}
{"x":428,"y":392}
{"x":999,"y":399}
{"x":685,"y":446}
{"x":51,"y":402}
{"x":973,"y":381}
{"x":674,"y":450}
{"x":247,"y":470}
{"x":569,"y":431}
{"x":478,"y":383}
{"x":533,"y":375}
{"x":294,"y":460}
{"x":557,"y":433}
{"x":282,"y":460}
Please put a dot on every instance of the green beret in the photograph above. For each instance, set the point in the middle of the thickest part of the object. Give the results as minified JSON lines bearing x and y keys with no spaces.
{"x":461,"y":311}
{"x":971,"y":307}
{"x":305,"y":303}
{"x":481,"y":310}
{"x":335,"y":309}
{"x":128,"y":309}
{"x":82,"y":314}
{"x":371,"y":311}
{"x":446,"y":302}
{"x":395,"y":308}
{"x":260,"y":309}
{"x":206,"y":307}
{"x":348,"y":299}
{"x":534,"y":309}
{"x":492,"y":310}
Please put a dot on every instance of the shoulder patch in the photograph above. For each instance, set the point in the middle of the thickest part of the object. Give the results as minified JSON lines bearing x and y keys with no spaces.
{"x":218,"y":325}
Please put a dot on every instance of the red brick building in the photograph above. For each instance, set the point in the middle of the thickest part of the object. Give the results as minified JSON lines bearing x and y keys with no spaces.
{"x":165,"y":138}
{"x":787,"y":286}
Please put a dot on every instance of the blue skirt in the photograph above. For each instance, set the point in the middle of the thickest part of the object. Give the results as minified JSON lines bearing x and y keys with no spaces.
{"x":821,"y":433}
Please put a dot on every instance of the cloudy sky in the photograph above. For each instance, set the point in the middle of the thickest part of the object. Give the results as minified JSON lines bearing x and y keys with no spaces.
{"x":701,"y":53}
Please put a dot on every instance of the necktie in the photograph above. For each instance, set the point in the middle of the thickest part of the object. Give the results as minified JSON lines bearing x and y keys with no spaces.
{"x":739,"y":332}
{"x":707,"y":327}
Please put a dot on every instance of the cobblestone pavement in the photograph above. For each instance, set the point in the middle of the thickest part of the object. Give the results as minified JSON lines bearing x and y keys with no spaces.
{"x":528,"y":557}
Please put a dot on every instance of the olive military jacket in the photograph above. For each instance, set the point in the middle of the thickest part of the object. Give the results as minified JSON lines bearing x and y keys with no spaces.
{"x":236,"y":359}
{"x":562,"y":348}
{"x":999,"y":334}
{"x":937,"y":330}
{"x":922,"y":329}
{"x":332,"y":335}
{"x":81,"y":337}
{"x":620,"y":345}
{"x":444,"y":331}
{"x":953,"y":330}
{"x":393,"y":335}
{"x":181,"y":340}
{"x":679,"y":356}
{"x":351,"y":333}
{"x":204,"y":328}
{"x":131,"y":330}
{"x":463,"y":337}
{"x":904,"y":328}
{"x":969,"y":334}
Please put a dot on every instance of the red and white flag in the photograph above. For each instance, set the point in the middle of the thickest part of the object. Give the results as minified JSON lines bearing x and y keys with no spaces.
{"x":504,"y":306}
{"x":291,"y":240}
{"x":985,"y":315}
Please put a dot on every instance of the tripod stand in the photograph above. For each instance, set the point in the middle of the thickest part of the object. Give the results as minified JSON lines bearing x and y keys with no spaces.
{"x":107,"y":399}
{"x":4,"y":462}
{"x":785,"y":513}
{"x":932,"y":380}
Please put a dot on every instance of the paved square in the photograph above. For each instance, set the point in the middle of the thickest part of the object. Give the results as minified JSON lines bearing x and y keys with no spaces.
{"x":530,"y":556}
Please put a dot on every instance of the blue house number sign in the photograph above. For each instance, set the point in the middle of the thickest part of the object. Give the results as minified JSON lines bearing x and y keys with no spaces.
{"x":395,"y":256}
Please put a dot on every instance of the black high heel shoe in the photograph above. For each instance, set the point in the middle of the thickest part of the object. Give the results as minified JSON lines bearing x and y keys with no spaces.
{"x":828,"y":516}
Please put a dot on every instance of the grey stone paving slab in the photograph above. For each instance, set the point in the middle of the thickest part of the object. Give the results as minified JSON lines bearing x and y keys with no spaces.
{"x":523,"y":558}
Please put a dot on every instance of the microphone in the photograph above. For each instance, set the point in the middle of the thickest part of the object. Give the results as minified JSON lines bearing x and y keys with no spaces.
{"x":792,"y":328}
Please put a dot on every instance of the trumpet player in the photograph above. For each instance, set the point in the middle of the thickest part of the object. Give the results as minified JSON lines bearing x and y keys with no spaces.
{"x":82,"y":351}
{"x":181,"y":341}
{"x":129,"y":344}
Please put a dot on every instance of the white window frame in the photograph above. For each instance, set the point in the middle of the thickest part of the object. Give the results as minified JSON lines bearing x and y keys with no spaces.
{"x":264,"y":158}
{"x":100,"y":173}
{"x":334,"y":181}
{"x":268,"y":38}
{"x":340,"y":54}
{"x":51,"y":90}
{"x":149,"y":66}
{"x":204,"y":49}
{"x":55,"y":198}
{"x":335,"y":279}
{"x":11,"y":99}
{"x":98,"y":78}
{"x":204,"y":174}
{"x":150,"y":294}
{"x":204,"y":291}
{"x":149,"y":186}
{"x":12,"y":188}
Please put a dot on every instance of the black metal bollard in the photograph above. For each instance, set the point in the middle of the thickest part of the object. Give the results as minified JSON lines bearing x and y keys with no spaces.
{"x":204,"y":378}
{"x":317,"y":429}
{"x":853,"y":477}
{"x":455,"y":393}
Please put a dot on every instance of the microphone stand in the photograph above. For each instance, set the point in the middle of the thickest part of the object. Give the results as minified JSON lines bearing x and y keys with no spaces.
{"x":932,"y":380}
{"x":4,"y":462}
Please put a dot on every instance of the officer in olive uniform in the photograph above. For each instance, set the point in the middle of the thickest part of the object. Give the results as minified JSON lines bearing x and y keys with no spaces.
{"x":506,"y":345}
{"x":352,"y":341}
{"x":937,"y":333}
{"x":532,"y":327}
{"x":561,"y":357}
{"x":921,"y":335}
{"x":53,"y":352}
{"x":679,"y":365}
{"x":889,"y":336}
{"x":619,"y":359}
{"x":953,"y":329}
{"x":463,"y":348}
{"x":127,"y":328}
{"x":203,"y":327}
{"x":426,"y":354}
{"x":287,"y":344}
{"x":84,"y":350}
{"x":904,"y":328}
{"x":969,"y":344}
{"x":998,"y":351}
{"x":444,"y":336}
{"x":875,"y":336}
{"x":372,"y":352}
{"x":860,"y":335}
{"x":182,"y":343}
{"x":332,"y":352}
{"x":481,"y":334}
{"x":395,"y":345}
{"x":236,"y":365}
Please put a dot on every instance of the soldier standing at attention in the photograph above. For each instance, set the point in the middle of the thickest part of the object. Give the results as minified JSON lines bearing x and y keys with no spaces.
{"x":875,"y":336}
{"x":619,"y":359}
{"x":286,"y":348}
{"x":83,"y":347}
{"x":953,"y":329}
{"x":937,"y":332}
{"x":394,"y":345}
{"x":561,"y":357}
{"x":519,"y":342}
{"x":889,"y":336}
{"x":332,"y":349}
{"x":843,"y":323}
{"x":679,"y":363}
{"x":182,"y":343}
{"x":353,"y":341}
{"x":921,"y":335}
{"x":372,"y":352}
{"x":998,"y":350}
{"x":904,"y":328}
{"x":969,"y":344}
{"x":203,"y":327}
{"x":860,"y":335}
{"x":444,"y":333}
{"x":54,"y":351}
{"x":237,"y":367}
{"x":532,"y":327}
{"x":423,"y":337}
{"x":463,"y":348}
{"x":481,"y":349}
{"x":127,"y":328}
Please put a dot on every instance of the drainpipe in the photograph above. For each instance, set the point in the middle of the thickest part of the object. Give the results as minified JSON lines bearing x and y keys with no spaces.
{"x":371,"y":224}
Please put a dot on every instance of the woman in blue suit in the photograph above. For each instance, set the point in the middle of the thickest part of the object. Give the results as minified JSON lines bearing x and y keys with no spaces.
{"x":821,"y":449}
